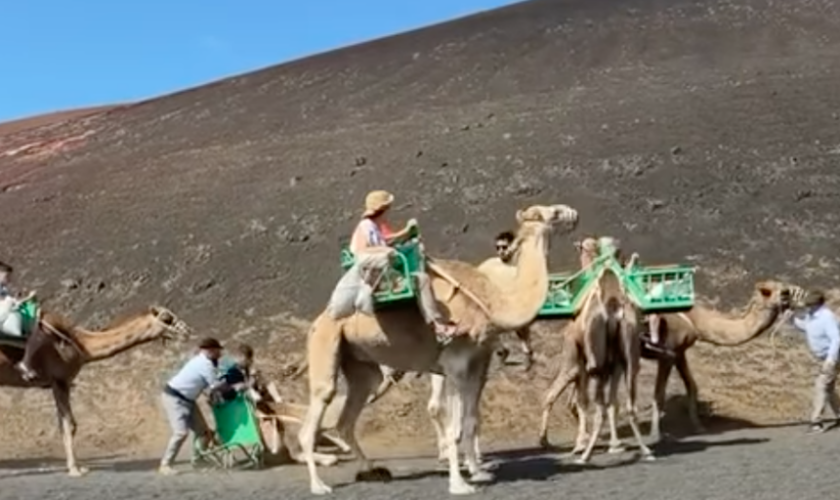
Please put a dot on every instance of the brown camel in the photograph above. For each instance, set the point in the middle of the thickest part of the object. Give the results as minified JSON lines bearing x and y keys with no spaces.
{"x":60,"y":361}
{"x":400,"y":338}
{"x":601,"y":343}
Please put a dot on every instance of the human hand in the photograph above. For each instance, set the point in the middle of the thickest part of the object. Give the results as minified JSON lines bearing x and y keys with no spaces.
{"x":412,"y":222}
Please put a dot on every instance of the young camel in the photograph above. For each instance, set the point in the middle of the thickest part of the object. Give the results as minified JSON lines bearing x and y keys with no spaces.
{"x":70,"y":347}
{"x":400,"y":338}
{"x":769,"y":299}
{"x":601,"y":343}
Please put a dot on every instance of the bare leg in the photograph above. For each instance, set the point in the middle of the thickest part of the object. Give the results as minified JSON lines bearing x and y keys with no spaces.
{"x":429,"y":307}
{"x":323,"y":351}
{"x":663,"y":370}
{"x":67,"y":423}
{"x":691,"y":392}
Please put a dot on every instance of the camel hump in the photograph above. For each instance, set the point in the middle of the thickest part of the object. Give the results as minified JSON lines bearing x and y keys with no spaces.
{"x":463,"y":277}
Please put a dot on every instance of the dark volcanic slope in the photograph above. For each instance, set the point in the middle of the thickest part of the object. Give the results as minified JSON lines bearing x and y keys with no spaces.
{"x":703,"y":130}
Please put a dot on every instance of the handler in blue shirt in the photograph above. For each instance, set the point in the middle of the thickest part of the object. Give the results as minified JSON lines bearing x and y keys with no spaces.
{"x":823,"y":334}
{"x":180,"y":394}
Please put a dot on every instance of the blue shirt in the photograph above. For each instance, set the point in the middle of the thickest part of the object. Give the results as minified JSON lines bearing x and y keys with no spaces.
{"x":198,"y":374}
{"x":822,"y":332}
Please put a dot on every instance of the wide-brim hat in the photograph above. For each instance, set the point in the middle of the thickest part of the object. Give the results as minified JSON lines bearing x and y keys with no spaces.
{"x":376,"y":202}
{"x":209,"y":343}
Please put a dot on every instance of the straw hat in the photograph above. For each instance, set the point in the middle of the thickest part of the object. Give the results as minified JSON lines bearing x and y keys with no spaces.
{"x":376,"y":202}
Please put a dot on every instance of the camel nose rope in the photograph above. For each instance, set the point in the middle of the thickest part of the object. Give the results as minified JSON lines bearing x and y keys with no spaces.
{"x":785,"y":316}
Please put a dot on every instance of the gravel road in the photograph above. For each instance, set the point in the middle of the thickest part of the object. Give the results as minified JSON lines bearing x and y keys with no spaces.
{"x":766,"y":464}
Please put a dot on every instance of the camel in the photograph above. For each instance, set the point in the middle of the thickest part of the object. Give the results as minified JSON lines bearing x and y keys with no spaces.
{"x":399,"y":337}
{"x":700,"y":323}
{"x":72,"y":347}
{"x":502,"y":274}
{"x":680,"y":331}
{"x":602,"y":343}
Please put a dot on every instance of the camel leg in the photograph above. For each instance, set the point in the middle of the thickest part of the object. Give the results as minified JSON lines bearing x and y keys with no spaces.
{"x":580,"y":402}
{"x":323,"y":353}
{"x":472,"y":455}
{"x":616,"y":446}
{"x":632,"y":356}
{"x":67,"y":425}
{"x":362,"y":378}
{"x":663,"y":370}
{"x":691,"y":392}
{"x":390,"y":377}
{"x":560,"y":383}
{"x":436,"y":413}
{"x":598,"y":422}
{"x":454,"y":412}
{"x":524,"y":336}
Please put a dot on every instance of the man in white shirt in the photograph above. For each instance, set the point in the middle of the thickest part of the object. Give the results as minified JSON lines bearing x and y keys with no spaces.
{"x":180,"y":395}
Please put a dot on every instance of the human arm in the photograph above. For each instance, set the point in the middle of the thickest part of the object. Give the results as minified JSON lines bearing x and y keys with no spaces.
{"x":406,"y":233}
{"x":832,"y":330}
{"x":798,"y":322}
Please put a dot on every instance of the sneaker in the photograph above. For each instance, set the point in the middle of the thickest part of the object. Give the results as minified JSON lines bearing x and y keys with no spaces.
{"x":816,"y":428}
{"x":166,"y":470}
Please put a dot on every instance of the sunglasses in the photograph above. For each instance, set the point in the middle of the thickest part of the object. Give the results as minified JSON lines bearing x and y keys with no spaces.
{"x":502,"y":246}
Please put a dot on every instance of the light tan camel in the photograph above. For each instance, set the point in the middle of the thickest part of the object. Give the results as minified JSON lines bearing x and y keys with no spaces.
{"x":700,"y":323}
{"x":59,"y":362}
{"x":400,"y":338}
{"x":680,"y":331}
{"x":601,"y":343}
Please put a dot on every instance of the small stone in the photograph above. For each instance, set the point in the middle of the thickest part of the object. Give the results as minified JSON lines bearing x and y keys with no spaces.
{"x":676,"y":150}
{"x":70,"y":284}
{"x":361,"y":161}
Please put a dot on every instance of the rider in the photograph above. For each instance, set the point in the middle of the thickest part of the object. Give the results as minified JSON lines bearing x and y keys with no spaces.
{"x":11,"y":320}
{"x":374,"y":231}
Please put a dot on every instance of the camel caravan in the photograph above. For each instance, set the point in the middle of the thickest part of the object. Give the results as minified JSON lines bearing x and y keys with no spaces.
{"x":397,"y":309}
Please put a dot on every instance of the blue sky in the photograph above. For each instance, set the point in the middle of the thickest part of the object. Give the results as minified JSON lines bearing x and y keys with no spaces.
{"x":59,"y":54}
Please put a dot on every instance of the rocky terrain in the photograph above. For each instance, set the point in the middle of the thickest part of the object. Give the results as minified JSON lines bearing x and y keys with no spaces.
{"x":704,"y":131}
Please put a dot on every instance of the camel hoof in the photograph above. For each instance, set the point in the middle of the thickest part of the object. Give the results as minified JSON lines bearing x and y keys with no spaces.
{"x":374,"y":475}
{"x":461,"y":488}
{"x":648,"y":457}
{"x":616,"y":448}
{"x":78,"y":471}
{"x":329,"y":461}
{"x":581,"y":461}
{"x":319,"y":488}
{"x":482,"y":476}
{"x":544,"y":443}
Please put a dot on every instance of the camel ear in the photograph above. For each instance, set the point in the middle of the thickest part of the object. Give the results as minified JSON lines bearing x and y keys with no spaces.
{"x":520,"y":216}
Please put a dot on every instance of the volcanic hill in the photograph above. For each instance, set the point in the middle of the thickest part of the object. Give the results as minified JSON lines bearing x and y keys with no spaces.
{"x":704,"y":131}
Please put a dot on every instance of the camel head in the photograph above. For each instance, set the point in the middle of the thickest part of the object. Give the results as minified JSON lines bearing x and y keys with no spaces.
{"x":539,"y":220}
{"x":167,"y":326}
{"x":588,"y":250}
{"x":771,"y":294}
